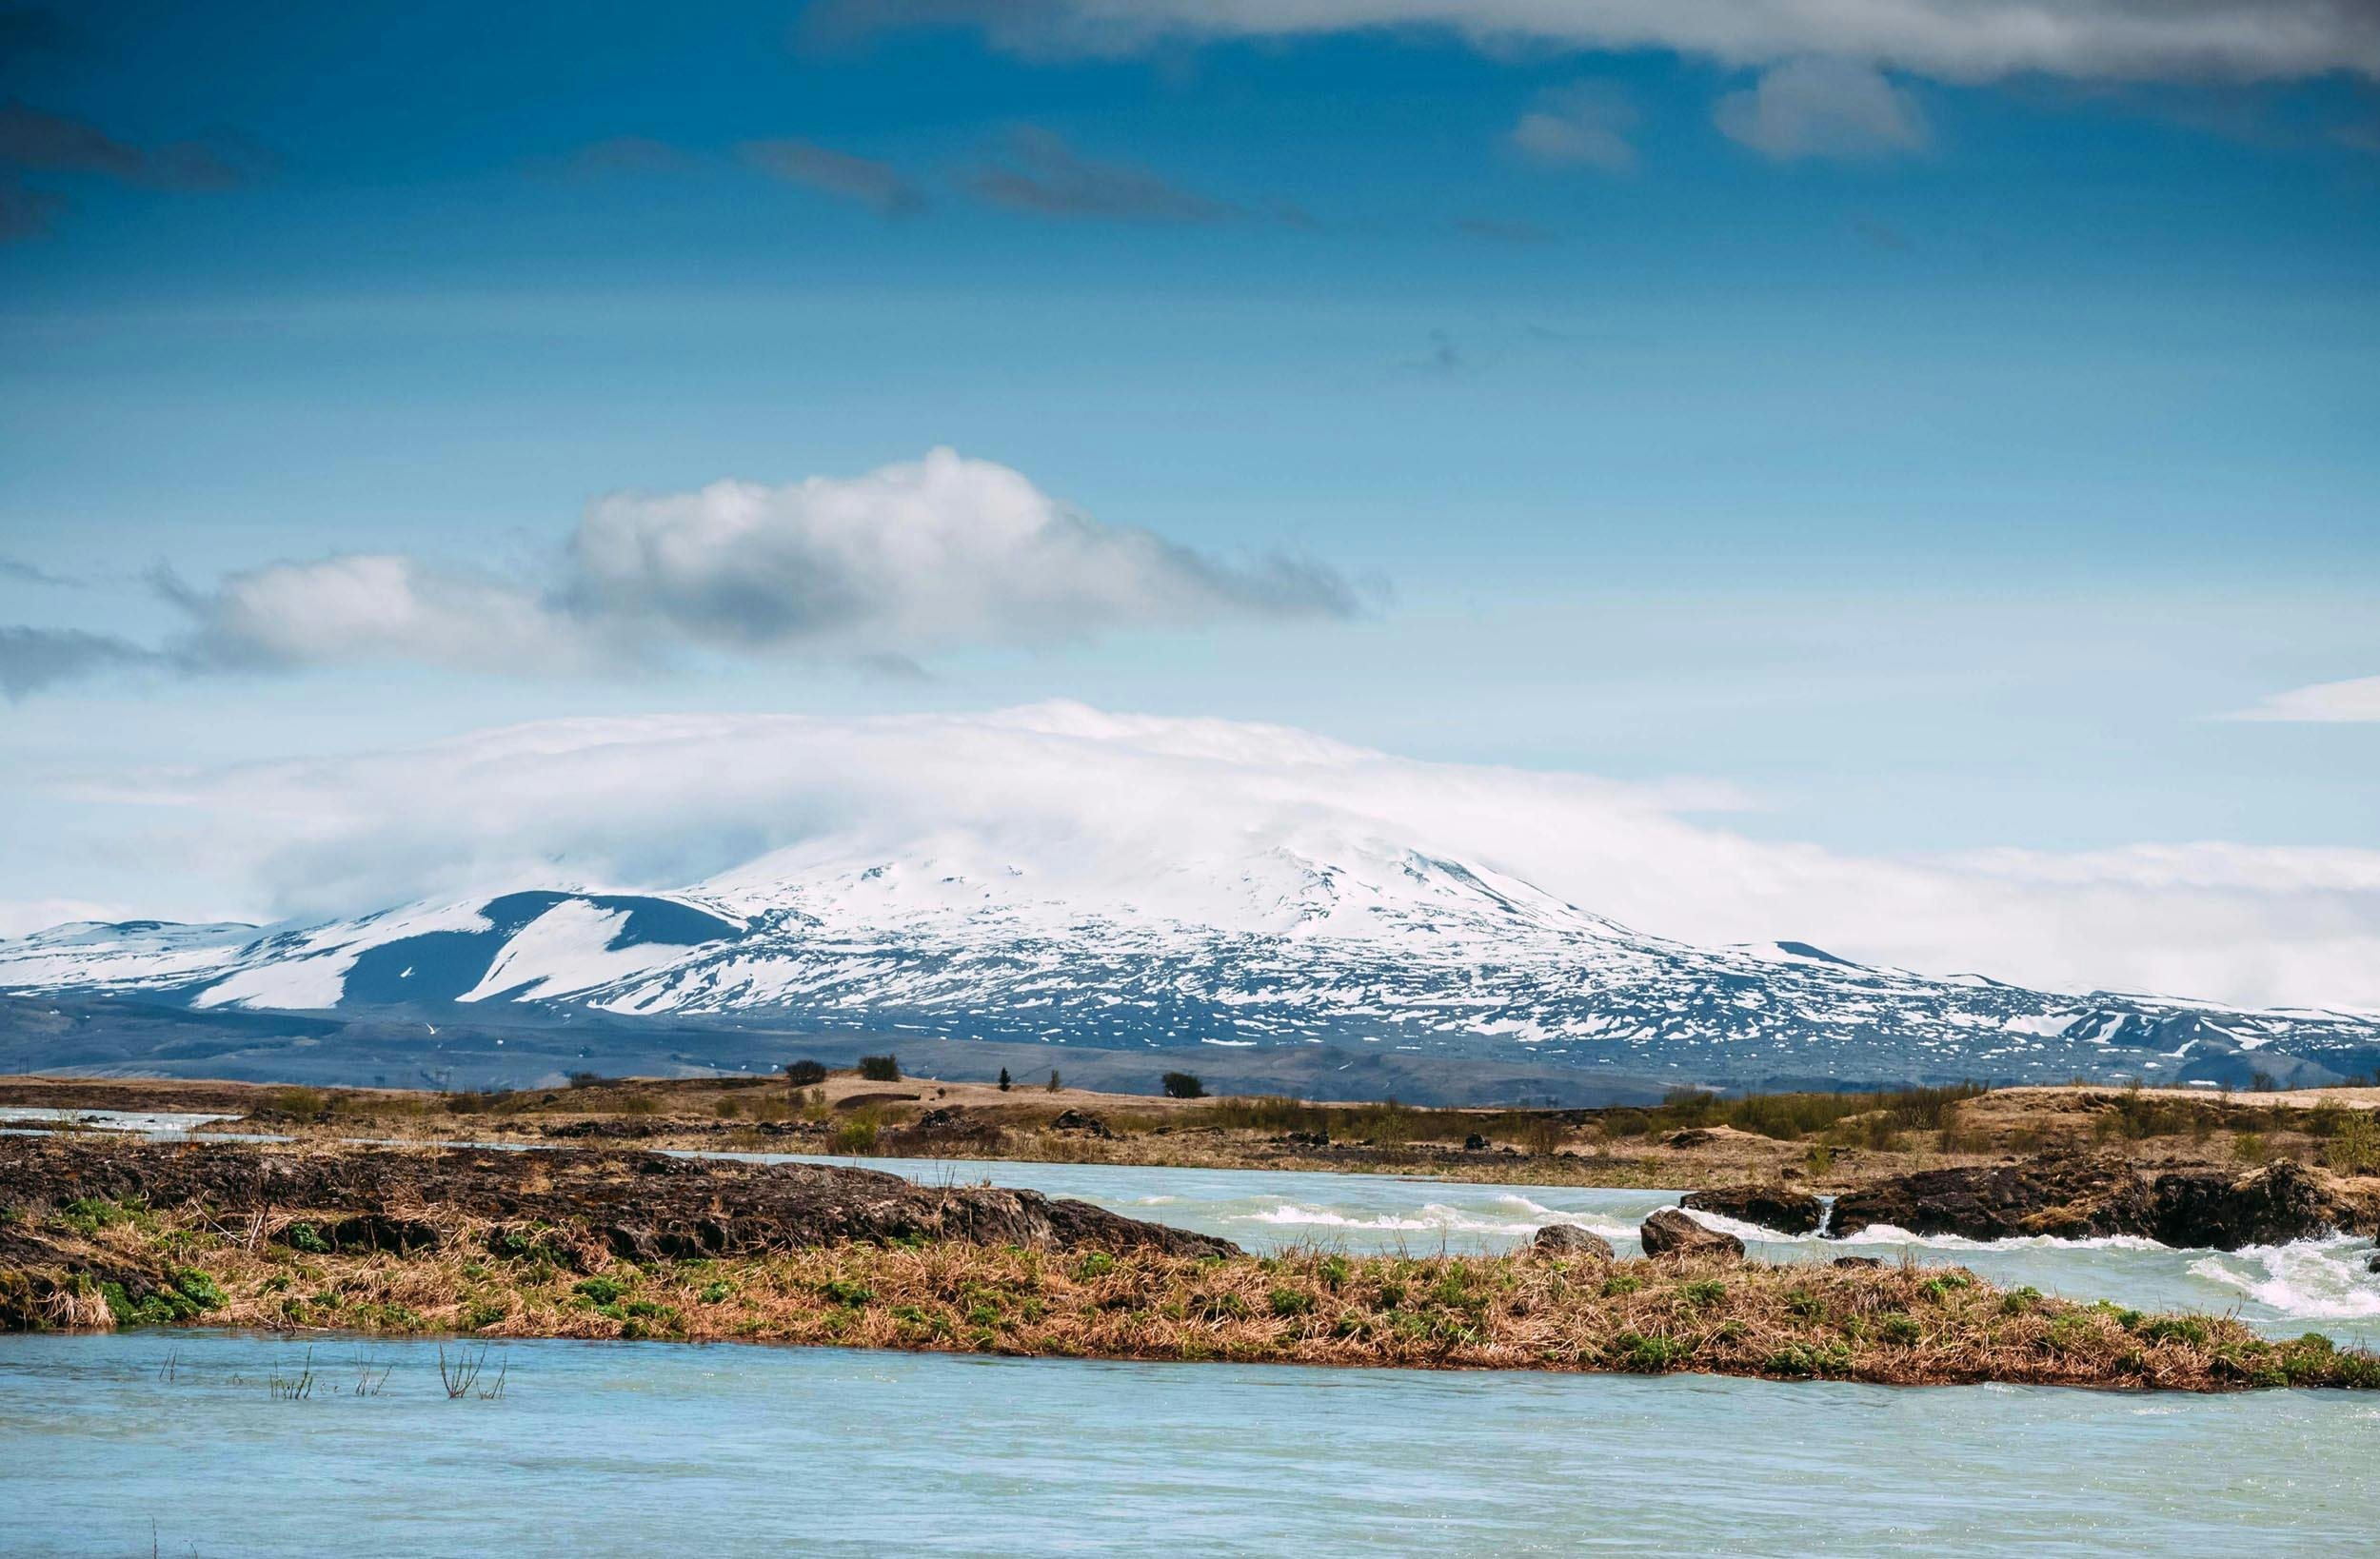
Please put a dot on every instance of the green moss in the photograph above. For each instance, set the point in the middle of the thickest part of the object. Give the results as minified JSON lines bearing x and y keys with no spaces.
{"x":1291,"y":1302}
{"x":602,"y":1291}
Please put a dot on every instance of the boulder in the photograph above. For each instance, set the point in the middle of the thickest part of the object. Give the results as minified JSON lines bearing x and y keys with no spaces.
{"x":1570,"y":1242}
{"x":1076,"y":1121}
{"x":1672,"y":1233}
{"x":1779,"y":1207}
{"x":1474,"y":1143}
{"x":1856,"y":1263}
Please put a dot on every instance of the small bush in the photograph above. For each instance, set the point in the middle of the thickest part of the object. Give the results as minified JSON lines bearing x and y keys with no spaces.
{"x":806,"y":1072}
{"x":1291,"y":1302}
{"x":858,"y":1135}
{"x":881,"y":1068}
{"x":2355,"y":1148}
{"x":2249,"y":1147}
{"x":602,"y":1291}
{"x":1183,"y":1085}
{"x":1054,"y":1084}
{"x":1004,"y":1079}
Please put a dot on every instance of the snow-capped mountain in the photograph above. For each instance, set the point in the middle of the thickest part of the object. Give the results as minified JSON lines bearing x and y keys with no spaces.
{"x":1317,"y":937}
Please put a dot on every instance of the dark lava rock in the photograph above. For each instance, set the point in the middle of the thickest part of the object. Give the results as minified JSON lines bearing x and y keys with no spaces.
{"x":1078,"y":1120}
{"x":937,"y":1120}
{"x":608,"y":1129}
{"x":1858,"y":1262}
{"x":1474,"y":1143}
{"x":1670,"y":1233}
{"x":2085,"y":1198}
{"x":2373,"y":1265}
{"x":1568,"y":1241}
{"x":1308,"y":1140}
{"x":1772,"y":1206}
{"x":642,"y":1205}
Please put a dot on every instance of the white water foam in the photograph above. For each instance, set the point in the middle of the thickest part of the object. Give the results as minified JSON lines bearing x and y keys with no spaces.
{"x":1432,"y":1217}
{"x":2314,"y":1280}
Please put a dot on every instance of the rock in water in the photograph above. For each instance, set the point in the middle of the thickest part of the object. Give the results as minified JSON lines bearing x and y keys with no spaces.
{"x":1779,"y":1207}
{"x":1670,"y":1233}
{"x":2088,"y":1198}
{"x":2270,"y":1206}
{"x":1568,"y":1241}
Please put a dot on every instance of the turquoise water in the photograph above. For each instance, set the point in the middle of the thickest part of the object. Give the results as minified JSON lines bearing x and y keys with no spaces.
{"x":2321,"y":1286}
{"x":107,"y":1443}
{"x":660,"y":1449}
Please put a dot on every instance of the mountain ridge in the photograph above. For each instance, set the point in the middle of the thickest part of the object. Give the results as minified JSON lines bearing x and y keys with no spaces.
{"x":1317,"y":938}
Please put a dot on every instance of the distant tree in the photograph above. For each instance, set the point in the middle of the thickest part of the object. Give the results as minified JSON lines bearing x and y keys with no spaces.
{"x":1054,"y":1083}
{"x":881,"y":1068}
{"x":1184,"y":1085}
{"x":2262,"y":1083}
{"x":1004,"y":1079}
{"x":805,"y":1074}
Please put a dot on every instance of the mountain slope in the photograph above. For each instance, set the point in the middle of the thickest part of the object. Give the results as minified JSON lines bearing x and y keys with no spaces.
{"x":1308,"y":938}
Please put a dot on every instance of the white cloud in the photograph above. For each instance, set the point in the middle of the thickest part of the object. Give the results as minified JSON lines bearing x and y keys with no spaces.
{"x":1822,"y":108}
{"x":2355,"y":699}
{"x":374,"y":606}
{"x":932,"y":555}
{"x":1587,"y":121}
{"x":1959,"y":40}
{"x":910,"y":558}
{"x":20,"y":916}
{"x":665,"y":802}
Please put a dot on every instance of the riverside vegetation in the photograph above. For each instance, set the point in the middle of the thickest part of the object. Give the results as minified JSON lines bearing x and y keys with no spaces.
{"x":1820,"y":1141}
{"x":96,"y":1232}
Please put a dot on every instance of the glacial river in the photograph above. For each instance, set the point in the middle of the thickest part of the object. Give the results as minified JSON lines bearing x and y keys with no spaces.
{"x":108,"y":1444}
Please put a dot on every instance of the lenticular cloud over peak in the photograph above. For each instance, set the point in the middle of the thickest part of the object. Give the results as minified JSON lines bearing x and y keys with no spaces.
{"x":1077,"y":811}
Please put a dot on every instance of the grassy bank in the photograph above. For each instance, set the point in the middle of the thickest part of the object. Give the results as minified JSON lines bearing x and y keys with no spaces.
{"x":1824,"y":1142}
{"x":1896,"y":1325}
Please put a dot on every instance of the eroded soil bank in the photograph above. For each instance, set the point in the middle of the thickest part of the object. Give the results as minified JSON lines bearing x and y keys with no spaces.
{"x":98,"y":1232}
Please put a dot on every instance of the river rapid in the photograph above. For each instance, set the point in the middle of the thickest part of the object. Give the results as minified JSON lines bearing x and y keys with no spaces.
{"x":111,"y":1442}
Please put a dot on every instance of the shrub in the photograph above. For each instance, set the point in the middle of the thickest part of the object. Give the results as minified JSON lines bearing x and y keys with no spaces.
{"x":2355,"y":1148}
{"x":1054,"y":1084}
{"x":806,"y":1072}
{"x":1291,"y":1302}
{"x":2249,"y":1147}
{"x":1004,"y":1079}
{"x":602,"y":1291}
{"x":881,"y":1068}
{"x":858,"y":1135}
{"x":1183,"y":1085}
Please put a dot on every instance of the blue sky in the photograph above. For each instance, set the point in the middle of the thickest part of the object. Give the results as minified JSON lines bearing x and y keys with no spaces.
{"x":1930,"y":444}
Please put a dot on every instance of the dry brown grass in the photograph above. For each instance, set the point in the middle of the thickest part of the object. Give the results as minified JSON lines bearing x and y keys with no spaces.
{"x":1896,"y":1325}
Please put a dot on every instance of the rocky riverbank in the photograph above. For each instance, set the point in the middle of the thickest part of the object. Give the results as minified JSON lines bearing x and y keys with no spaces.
{"x":98,"y":1232}
{"x":2076,"y":1196}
